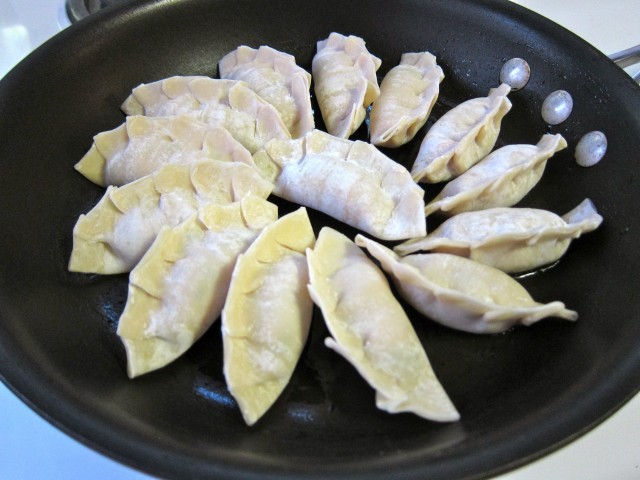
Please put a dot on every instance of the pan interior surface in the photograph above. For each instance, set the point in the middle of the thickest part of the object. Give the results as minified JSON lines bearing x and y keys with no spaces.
{"x":520,"y":394}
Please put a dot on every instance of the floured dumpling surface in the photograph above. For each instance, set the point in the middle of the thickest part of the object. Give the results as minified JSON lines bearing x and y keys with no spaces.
{"x":461,"y":137}
{"x":461,"y":293}
{"x":179,"y":287}
{"x":267,"y":315}
{"x":407,"y":95}
{"x":351,"y":181}
{"x":142,"y":145}
{"x":277,"y":78}
{"x":501,"y":179}
{"x":344,"y":75}
{"x":371,"y":330}
{"x":229,"y":104}
{"x":116,"y":233}
{"x":510,"y":239}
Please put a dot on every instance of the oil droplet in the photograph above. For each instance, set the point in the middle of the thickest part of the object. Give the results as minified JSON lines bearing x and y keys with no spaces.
{"x":515,"y":73}
{"x":557,"y":107}
{"x":590,"y":149}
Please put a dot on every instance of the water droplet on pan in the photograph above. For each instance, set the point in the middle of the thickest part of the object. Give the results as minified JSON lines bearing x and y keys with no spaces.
{"x":590,"y":149}
{"x":515,"y":73}
{"x":557,"y":107}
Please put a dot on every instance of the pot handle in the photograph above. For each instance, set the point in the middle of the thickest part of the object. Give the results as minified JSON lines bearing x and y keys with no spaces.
{"x":626,"y":58}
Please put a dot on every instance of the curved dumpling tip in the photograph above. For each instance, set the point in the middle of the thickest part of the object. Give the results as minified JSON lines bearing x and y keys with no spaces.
{"x":276,"y":77}
{"x":511,"y":239}
{"x":461,"y":137}
{"x":267,"y":314}
{"x":585,"y":216}
{"x":461,"y":293}
{"x":105,"y":145}
{"x":407,"y":95}
{"x":370,"y":329}
{"x":344,"y":74}
{"x":501,"y":179}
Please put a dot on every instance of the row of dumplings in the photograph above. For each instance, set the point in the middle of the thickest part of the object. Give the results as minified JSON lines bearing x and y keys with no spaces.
{"x":262,"y":274}
{"x":186,"y":212}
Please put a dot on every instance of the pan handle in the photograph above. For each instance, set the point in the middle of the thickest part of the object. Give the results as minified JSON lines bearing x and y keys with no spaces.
{"x":627,"y":57}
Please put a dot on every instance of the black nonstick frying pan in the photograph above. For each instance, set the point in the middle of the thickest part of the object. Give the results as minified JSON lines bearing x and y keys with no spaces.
{"x":521,"y":394}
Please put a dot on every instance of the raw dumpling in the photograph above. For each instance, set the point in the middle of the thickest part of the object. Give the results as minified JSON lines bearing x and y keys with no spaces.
{"x":407,"y":95}
{"x":179,"y":287}
{"x":142,"y":144}
{"x":461,"y":293}
{"x":461,"y":137}
{"x":229,"y":104}
{"x":277,"y":78}
{"x":344,"y":75}
{"x":116,"y":233}
{"x":267,"y":315}
{"x":501,"y":179}
{"x":371,"y":330}
{"x":510,"y":239}
{"x":351,"y":181}
{"x":169,"y":96}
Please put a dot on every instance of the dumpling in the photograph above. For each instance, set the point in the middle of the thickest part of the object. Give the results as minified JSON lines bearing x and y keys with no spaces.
{"x":501,"y":179}
{"x":229,"y":104}
{"x":461,"y":137}
{"x":267,"y":315}
{"x":351,"y":181}
{"x":461,"y":293}
{"x":178,"y":289}
{"x":407,"y":95}
{"x":345,"y":82}
{"x":371,"y":330}
{"x":169,"y":96}
{"x":116,"y":233}
{"x":510,"y":239}
{"x":142,"y":144}
{"x":277,"y":78}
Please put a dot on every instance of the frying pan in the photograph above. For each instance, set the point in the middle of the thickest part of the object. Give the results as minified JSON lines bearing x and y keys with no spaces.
{"x":521,"y":394}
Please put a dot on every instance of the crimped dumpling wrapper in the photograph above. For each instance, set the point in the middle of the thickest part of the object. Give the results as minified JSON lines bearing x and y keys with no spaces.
{"x":461,"y":137}
{"x":408,"y":92}
{"x":510,"y":239}
{"x":501,"y":179}
{"x":178,"y":289}
{"x":115,"y":234}
{"x":461,"y":293}
{"x":370,"y":329}
{"x":229,"y":104}
{"x":141,"y":145}
{"x":267,"y":315}
{"x":351,"y":181}
{"x":345,"y":82}
{"x":276,"y":77}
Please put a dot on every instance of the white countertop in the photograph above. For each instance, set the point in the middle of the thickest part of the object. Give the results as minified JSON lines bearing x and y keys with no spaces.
{"x":30,"y":448}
